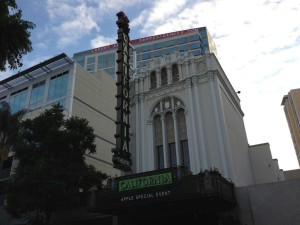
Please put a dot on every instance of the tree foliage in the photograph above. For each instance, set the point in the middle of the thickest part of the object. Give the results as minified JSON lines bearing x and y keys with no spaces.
{"x":9,"y":127}
{"x":14,"y":35}
{"x":51,"y":167}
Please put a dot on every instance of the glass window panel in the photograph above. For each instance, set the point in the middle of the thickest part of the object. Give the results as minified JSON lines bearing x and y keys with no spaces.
{"x":146,"y":55}
{"x":101,"y":65}
{"x":170,"y":43}
{"x":182,"y":40}
{"x":158,"y":53}
{"x":194,"y":37}
{"x":37,"y":94}
{"x":102,"y":57}
{"x":197,"y":52}
{"x":17,"y":100}
{"x":91,"y":60}
{"x":159,"y":45}
{"x":183,"y":48}
{"x":90,"y":67}
{"x":58,"y":86}
{"x":195,"y":45}
{"x":146,"y":48}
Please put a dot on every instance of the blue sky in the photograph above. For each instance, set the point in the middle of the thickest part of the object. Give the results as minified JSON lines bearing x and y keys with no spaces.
{"x":258,"y":44}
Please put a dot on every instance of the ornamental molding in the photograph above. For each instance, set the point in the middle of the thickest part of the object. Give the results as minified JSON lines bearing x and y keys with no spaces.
{"x":163,"y":91}
{"x":210,"y":76}
{"x":195,"y":80}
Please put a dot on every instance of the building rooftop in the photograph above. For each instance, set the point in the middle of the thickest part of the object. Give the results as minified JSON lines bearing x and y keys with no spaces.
{"x":35,"y":71}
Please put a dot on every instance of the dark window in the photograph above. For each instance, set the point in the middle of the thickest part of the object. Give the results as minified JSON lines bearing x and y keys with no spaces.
{"x":172,"y":154}
{"x":160,"y":156}
{"x":153,"y":80}
{"x":185,"y":153}
{"x":164,"y":77}
{"x":175,"y":74}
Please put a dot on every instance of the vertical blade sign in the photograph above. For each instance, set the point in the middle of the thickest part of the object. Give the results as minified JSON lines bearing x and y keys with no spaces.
{"x":121,"y":155}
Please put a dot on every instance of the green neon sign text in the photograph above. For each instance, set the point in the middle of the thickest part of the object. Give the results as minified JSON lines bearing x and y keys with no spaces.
{"x":146,"y":181}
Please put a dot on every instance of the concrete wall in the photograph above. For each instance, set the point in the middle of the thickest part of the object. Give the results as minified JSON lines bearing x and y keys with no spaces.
{"x":94,"y":99}
{"x":292,"y":174}
{"x":270,"y":204}
{"x":265,"y":169}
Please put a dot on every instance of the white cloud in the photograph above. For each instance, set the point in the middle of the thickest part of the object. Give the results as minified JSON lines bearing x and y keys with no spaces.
{"x":258,"y":45}
{"x":71,"y":20}
{"x":102,"y":41}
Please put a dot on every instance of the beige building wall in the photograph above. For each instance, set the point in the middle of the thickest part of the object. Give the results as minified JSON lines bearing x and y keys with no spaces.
{"x":265,"y":169}
{"x":94,"y":99}
{"x":90,"y":96}
{"x":292,"y":174}
{"x":291,"y":103}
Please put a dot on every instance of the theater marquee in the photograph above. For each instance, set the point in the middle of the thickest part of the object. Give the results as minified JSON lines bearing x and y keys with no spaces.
{"x":121,"y":155}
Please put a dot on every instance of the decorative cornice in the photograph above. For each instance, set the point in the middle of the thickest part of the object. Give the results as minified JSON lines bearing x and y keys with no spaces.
{"x":195,"y":80}
{"x":189,"y":82}
{"x":210,"y":76}
{"x":142,"y":97}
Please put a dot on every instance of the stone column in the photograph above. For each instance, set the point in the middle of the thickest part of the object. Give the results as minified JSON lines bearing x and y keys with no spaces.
{"x":169,"y":72}
{"x":142,"y":133}
{"x":177,"y":141}
{"x":137,"y":134}
{"x":165,"y":145}
{"x":158,"y":78}
{"x":201,"y":138}
{"x":150,"y":150}
{"x":193,"y":126}
{"x":180,"y":71}
{"x":211,"y":80}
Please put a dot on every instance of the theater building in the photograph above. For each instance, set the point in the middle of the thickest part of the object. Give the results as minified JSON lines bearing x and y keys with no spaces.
{"x":189,"y":149}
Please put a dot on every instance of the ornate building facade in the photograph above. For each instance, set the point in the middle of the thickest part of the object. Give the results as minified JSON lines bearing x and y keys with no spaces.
{"x":184,"y":111}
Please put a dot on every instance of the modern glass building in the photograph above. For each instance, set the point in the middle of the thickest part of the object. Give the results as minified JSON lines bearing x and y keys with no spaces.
{"x":195,"y":41}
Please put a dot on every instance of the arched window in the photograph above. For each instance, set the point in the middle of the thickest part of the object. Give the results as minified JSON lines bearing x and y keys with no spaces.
{"x":158,"y":142}
{"x":164,"y":77}
{"x":153,"y":82}
{"x":175,"y":73}
{"x":168,"y":115}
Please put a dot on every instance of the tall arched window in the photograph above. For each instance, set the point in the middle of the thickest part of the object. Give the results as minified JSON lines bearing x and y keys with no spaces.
{"x":175,"y":73}
{"x":169,"y":120}
{"x":158,"y":142}
{"x":164,"y":77}
{"x":153,"y":82}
